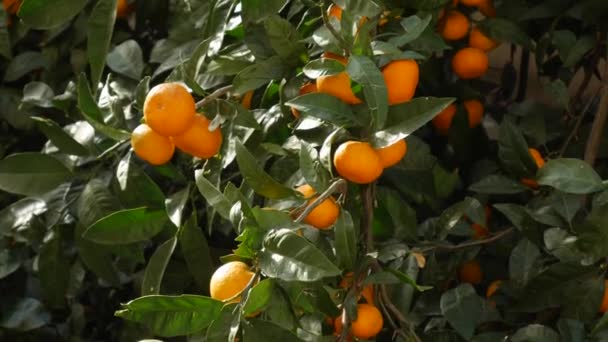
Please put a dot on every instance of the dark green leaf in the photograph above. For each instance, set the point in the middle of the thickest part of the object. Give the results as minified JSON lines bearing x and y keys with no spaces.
{"x":523,"y":262}
{"x":219,"y":330}
{"x":314,"y":175}
{"x":462,"y":308}
{"x":284,"y":39}
{"x":571,"y":330}
{"x":366,"y":8}
{"x":290,"y":257}
{"x":175,"y":204}
{"x":570,"y":175}
{"x":258,"y":74}
{"x":195,"y":250}
{"x":59,"y":137}
{"x":53,"y":270}
{"x":100,"y":27}
{"x":506,"y":31}
{"x":31,"y":173}
{"x":127,"y":59}
{"x":535,"y":333}
{"x":258,"y":10}
{"x":212,"y":195}
{"x":9,"y":263}
{"x":258,"y":297}
{"x":258,"y":330}
{"x":327,"y":108}
{"x":414,"y":26}
{"x":497,"y":185}
{"x":404,"y":278}
{"x":127,"y":226}
{"x":322,"y":67}
{"x":513,"y":150}
{"x":38,"y":94}
{"x":365,"y":72}
{"x":135,"y":187}
{"x":257,"y":178}
{"x":155,"y":270}
{"x":26,"y":314}
{"x":170,"y":316}
{"x":46,"y":14}
{"x":25,"y":63}
{"x":346,"y":240}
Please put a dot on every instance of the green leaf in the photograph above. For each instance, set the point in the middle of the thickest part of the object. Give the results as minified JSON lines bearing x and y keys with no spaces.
{"x":93,"y":115}
{"x":289,"y":257}
{"x":571,"y":330}
{"x":535,"y":333}
{"x":31,"y":173}
{"x":143,"y":87}
{"x":53,"y":270}
{"x":127,"y":59}
{"x":59,"y":137}
{"x":523,"y":262}
{"x":414,"y":26}
{"x":404,"y":119}
{"x":100,"y":27}
{"x":170,"y":316}
{"x":513,"y":150}
{"x":257,"y":178}
{"x":506,"y":31}
{"x":258,"y":74}
{"x":601,"y":325}
{"x":322,"y":67}
{"x":5,"y":39}
{"x":259,"y":330}
{"x":497,"y":185}
{"x":24,"y":315}
{"x":46,"y":14}
{"x":284,"y":39}
{"x":462,"y":308}
{"x":346,"y":240}
{"x":578,"y":50}
{"x":219,"y":330}
{"x":9,"y":263}
{"x":258,"y":10}
{"x":20,"y":214}
{"x":570,"y":175}
{"x":313,"y":173}
{"x":259,"y":297}
{"x":155,"y":270}
{"x":212,"y":195}
{"x":558,"y":90}
{"x":367,"y":8}
{"x":25,"y":63}
{"x":175,"y":204}
{"x":38,"y":94}
{"x":195,"y":250}
{"x":404,"y":278}
{"x":127,"y":226}
{"x":365,"y":72}
{"x":135,"y":188}
{"x":326,"y":107}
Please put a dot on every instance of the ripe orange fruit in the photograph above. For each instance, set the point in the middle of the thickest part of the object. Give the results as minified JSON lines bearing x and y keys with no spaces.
{"x":246,"y":100}
{"x":306,"y":89}
{"x":486,"y":7}
{"x":325,"y":214}
{"x":538,"y":158}
{"x":470,"y":272}
{"x":392,"y":154}
{"x":604,"y":305}
{"x":338,"y":85}
{"x":474,"y":110}
{"x":335,"y":11}
{"x":198,"y":140}
{"x":401,"y":78}
{"x":151,"y":146}
{"x":367,"y":292}
{"x":123,"y":9}
{"x":230,"y":279}
{"x":454,"y":25}
{"x":368,"y":324}
{"x":357,"y":162}
{"x":443,"y":120}
{"x":470,"y":63}
{"x":477,"y":39}
{"x":492,"y":288}
{"x":471,"y":3}
{"x":11,"y":6}
{"x":169,"y":109}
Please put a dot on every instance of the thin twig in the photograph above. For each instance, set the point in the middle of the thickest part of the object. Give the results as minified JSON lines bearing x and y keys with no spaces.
{"x":491,"y":239}
{"x":597,"y":129}
{"x":578,"y":123}
{"x":333,"y":31}
{"x":325,"y":195}
{"x":219,"y":92}
{"x":247,"y":287}
{"x":368,"y":216}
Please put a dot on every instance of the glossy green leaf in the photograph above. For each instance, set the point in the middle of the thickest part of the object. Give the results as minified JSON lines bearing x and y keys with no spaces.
{"x":259,"y":330}
{"x":414,"y":26}
{"x":175,"y":205}
{"x":513,"y":150}
{"x":53,"y":270}
{"x":212,"y":195}
{"x":314,"y":175}
{"x":24,"y":315}
{"x":322,"y":67}
{"x":258,"y":297}
{"x":155,"y":270}
{"x":100,"y":27}
{"x":346,"y":240}
{"x":523,"y":262}
{"x":43,"y":14}
{"x":507,"y":31}
{"x":9,"y":263}
{"x":25,"y":63}
{"x":327,"y":108}
{"x":170,"y":316}
{"x":127,"y":226}
{"x":570,"y":175}
{"x":258,"y":74}
{"x":497,"y":185}
{"x":284,"y":39}
{"x":257,"y":10}
{"x":365,"y":72}
{"x":195,"y":250}
{"x":289,"y":257}
{"x":462,"y":308}
{"x":38,"y":94}
{"x":135,"y":187}
{"x":31,"y":173}
{"x":127,"y":59}
{"x":59,"y":137}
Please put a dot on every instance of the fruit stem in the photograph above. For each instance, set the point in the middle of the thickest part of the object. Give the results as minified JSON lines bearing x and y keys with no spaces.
{"x":335,"y":186}
{"x":333,"y":32}
{"x":219,"y":92}
{"x":367,"y":198}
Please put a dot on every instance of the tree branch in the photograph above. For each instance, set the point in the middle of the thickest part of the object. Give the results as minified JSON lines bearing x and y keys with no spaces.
{"x":367,"y":219}
{"x":219,"y":92}
{"x":599,"y":122}
{"x":491,"y":239}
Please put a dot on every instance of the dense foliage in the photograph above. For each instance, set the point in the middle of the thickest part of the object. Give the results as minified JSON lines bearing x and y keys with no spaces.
{"x":469,"y":237}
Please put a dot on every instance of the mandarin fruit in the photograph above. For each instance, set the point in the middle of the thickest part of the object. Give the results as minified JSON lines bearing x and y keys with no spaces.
{"x":357,"y":162}
{"x":470,"y":63}
{"x":479,"y":40}
{"x":151,"y":146}
{"x":492,"y":288}
{"x":470,"y":272}
{"x":443,"y":120}
{"x":337,"y":85}
{"x":392,"y":154}
{"x":486,"y":7}
{"x":367,"y":292}
{"x":246,"y":100}
{"x":335,"y":11}
{"x":169,"y":109}
{"x":604,"y":305}
{"x":229,"y":280}
{"x":325,"y":214}
{"x":454,"y":25}
{"x":368,"y":324}
{"x":198,"y":140}
{"x":474,"y":110}
{"x":401,"y":78}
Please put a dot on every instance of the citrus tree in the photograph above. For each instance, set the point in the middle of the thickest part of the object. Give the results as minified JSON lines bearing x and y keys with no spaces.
{"x":413,"y":170}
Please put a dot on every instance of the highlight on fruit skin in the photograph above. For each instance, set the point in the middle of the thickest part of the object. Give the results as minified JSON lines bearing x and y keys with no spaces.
{"x":169,"y":109}
{"x":229,"y":280}
{"x":198,"y":140}
{"x":368,"y":324}
{"x":401,"y":78}
{"x":391,"y":155}
{"x":357,"y":162}
{"x":454,"y":25}
{"x":151,"y":146}
{"x":469,"y":63}
{"x":325,"y":214}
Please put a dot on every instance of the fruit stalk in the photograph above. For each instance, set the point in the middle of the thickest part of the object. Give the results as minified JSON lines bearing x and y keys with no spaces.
{"x":217,"y":93}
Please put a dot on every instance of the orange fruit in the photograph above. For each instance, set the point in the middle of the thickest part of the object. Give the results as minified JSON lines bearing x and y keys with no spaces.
{"x":486,"y":7}
{"x":443,"y":120}
{"x":325,"y":214}
{"x":368,"y":324}
{"x":151,"y":146}
{"x":338,"y":85}
{"x":401,"y":78}
{"x":480,"y":232}
{"x":470,"y":63}
{"x":392,"y":154}
{"x":229,"y":280}
{"x":11,"y":6}
{"x":470,"y":272}
{"x":492,"y":288}
{"x":367,"y":293}
{"x":477,"y":39}
{"x":454,"y":25}
{"x":604,"y":305}
{"x":331,"y":55}
{"x":357,"y":162}
{"x":335,"y":11}
{"x":246,"y":100}
{"x":474,"y":110}
{"x":198,"y":140}
{"x":169,"y":109}
{"x":538,"y":158}
{"x":529,"y":182}
{"x":471,"y":3}
{"x":123,"y":9}
{"x":305,"y":89}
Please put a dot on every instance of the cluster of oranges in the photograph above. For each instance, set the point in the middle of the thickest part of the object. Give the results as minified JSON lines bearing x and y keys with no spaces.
{"x":172,"y":121}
